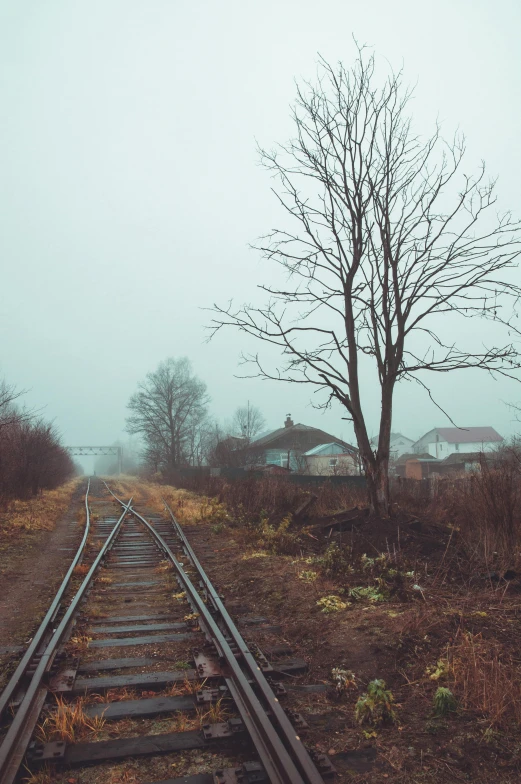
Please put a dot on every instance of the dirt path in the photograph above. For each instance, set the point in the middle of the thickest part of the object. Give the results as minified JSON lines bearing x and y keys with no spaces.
{"x":33,"y":576}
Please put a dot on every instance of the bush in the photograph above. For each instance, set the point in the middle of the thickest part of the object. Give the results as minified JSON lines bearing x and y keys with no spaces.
{"x":375,"y":706}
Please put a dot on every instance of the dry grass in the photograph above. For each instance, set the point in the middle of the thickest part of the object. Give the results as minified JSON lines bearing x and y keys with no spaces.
{"x":43,"y":776}
{"x":77,"y":646}
{"x":22,"y":519}
{"x":185,"y":505}
{"x":215,"y":713}
{"x":81,"y":570}
{"x":68,"y":722}
{"x":486,"y":680}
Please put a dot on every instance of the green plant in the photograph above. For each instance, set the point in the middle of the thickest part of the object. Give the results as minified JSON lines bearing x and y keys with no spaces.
{"x":335,"y":561}
{"x":440,"y":671}
{"x":375,"y":706}
{"x":331,"y":604}
{"x":308,"y":576}
{"x":444,"y":702}
{"x":371,"y":593}
{"x":217,"y":528}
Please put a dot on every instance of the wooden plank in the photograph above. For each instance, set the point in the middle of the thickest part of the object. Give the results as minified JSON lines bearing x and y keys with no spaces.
{"x":199,"y":778}
{"x":146,"y":746}
{"x":143,"y":680}
{"x":129,"y":618}
{"x":146,"y":708}
{"x":143,"y":627}
{"x":149,"y":639}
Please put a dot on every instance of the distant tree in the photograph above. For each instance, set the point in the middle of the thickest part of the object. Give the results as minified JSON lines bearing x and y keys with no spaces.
{"x":165,"y":410}
{"x":248,"y":421}
{"x":383,"y":246}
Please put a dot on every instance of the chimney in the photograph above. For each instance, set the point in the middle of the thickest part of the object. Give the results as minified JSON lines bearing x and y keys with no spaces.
{"x":289,"y":422}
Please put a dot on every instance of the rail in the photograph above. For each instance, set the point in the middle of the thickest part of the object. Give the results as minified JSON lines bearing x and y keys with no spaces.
{"x":17,"y":738}
{"x":283,"y":755}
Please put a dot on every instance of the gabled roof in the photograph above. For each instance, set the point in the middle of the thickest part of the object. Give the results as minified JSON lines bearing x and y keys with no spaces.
{"x":299,"y":429}
{"x":321,"y":448}
{"x":394,"y":436}
{"x":467,"y":435}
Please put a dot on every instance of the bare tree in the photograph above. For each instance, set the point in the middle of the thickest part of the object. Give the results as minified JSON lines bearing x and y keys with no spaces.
{"x":165,"y":410}
{"x":248,"y":421}
{"x":388,"y":238}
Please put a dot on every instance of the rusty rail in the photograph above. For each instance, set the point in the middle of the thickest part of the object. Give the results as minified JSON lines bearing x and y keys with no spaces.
{"x":283,"y":755}
{"x":16,"y":740}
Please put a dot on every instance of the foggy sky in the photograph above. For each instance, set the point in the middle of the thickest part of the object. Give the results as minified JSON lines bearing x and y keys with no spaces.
{"x":130,"y":185}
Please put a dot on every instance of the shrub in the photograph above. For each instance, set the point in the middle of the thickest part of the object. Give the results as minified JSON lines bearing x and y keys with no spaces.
{"x":444,"y":701}
{"x":375,"y":706}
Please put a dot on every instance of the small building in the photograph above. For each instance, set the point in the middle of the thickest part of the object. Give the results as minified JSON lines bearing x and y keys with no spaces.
{"x":287,"y":446}
{"x":463,"y":462}
{"x":444,"y":441}
{"x":330,"y":460}
{"x":399,"y":445}
{"x":411,"y":466}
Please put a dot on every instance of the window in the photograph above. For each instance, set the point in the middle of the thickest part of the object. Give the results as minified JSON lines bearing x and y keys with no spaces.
{"x":333,"y":461}
{"x":284,"y":459}
{"x":456,"y":447}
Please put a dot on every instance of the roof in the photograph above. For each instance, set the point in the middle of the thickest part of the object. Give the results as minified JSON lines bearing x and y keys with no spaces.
{"x":298,"y":430}
{"x":394,"y":436}
{"x":411,"y":456}
{"x":467,"y":435}
{"x":466,"y":457}
{"x":317,"y":450}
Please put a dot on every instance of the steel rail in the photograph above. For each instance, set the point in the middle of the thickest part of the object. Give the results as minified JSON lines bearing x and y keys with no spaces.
{"x":15,"y":742}
{"x":8,"y":693}
{"x":273,"y":743}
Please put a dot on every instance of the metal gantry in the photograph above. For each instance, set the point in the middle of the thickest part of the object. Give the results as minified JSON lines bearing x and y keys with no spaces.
{"x":87,"y":451}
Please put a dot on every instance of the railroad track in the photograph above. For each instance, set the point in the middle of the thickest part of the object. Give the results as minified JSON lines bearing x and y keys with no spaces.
{"x":138,"y":639}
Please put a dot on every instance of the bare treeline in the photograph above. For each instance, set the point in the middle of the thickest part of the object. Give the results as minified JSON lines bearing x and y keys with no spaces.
{"x":31,"y":456}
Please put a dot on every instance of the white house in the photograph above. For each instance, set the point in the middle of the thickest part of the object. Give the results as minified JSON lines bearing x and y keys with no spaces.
{"x":331,"y":459}
{"x":400,"y":445}
{"x":444,"y":441}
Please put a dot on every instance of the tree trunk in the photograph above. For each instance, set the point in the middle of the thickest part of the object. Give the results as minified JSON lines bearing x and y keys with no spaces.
{"x":378,"y":487}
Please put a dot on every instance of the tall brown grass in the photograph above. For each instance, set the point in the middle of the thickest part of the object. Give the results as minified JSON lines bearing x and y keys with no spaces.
{"x":486,"y":680}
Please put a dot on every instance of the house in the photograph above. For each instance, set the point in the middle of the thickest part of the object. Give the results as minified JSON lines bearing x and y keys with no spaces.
{"x":287,"y":446}
{"x":463,"y":462}
{"x":399,"y":445}
{"x":330,"y":460}
{"x":444,"y":441}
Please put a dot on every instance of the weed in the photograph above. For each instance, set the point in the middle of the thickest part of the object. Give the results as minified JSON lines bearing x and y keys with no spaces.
{"x":81,"y":570}
{"x":77,"y":646}
{"x":164,"y":567}
{"x":336,"y":561}
{"x":375,"y":706}
{"x":343,"y":680}
{"x":218,"y":528}
{"x":105,"y":580}
{"x":68,"y":722}
{"x":331,"y":604}
{"x":179,"y":596}
{"x":439,"y":671}
{"x":369,"y":594}
{"x":444,"y":702}
{"x":308,"y":576}
{"x":216,"y":713}
{"x":255,"y":554}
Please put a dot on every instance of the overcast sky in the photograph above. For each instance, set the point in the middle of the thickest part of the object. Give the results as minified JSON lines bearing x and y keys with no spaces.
{"x":130,"y":185}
